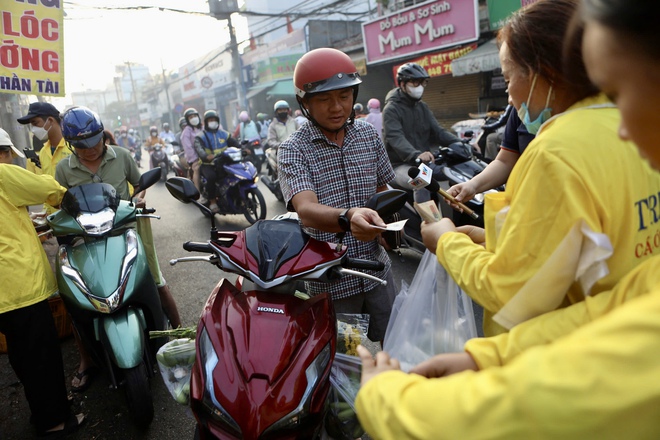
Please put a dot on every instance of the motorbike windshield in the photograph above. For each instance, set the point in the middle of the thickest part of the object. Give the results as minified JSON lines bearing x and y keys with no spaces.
{"x":273,"y":242}
{"x":93,"y":206}
{"x":89,"y":199}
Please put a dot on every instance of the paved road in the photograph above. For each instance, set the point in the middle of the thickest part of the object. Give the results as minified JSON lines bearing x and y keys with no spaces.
{"x":191,"y":283}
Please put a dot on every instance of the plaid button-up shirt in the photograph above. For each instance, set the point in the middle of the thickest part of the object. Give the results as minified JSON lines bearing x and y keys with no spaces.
{"x":341,"y":177}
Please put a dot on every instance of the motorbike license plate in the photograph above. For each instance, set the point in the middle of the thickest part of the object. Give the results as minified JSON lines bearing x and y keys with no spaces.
{"x":259,"y":151}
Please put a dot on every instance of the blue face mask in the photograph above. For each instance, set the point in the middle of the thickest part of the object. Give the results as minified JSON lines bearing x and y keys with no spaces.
{"x":534,"y":126}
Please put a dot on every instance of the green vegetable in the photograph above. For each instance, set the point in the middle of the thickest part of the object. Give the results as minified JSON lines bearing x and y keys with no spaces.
{"x":181,"y":332}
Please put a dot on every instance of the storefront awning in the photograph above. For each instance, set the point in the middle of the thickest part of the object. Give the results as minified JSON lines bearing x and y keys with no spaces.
{"x":259,"y":88}
{"x":282,"y":88}
{"x":483,"y":59}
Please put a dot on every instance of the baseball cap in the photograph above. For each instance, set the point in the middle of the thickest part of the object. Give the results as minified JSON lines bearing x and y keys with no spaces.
{"x":39,"y":109}
{"x":5,"y":141}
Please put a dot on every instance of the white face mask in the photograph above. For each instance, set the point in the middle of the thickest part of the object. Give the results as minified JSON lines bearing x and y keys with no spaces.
{"x":194,"y":121}
{"x":415,"y":92}
{"x":213,"y":125}
{"x":40,"y":132}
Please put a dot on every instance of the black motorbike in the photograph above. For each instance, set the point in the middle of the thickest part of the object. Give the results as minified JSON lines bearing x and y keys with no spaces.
{"x":254,"y":152}
{"x":271,"y":179}
{"x":160,"y":160}
{"x":458,"y":165}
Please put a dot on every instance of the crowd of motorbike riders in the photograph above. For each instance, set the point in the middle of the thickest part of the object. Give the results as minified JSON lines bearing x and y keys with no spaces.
{"x":334,"y":161}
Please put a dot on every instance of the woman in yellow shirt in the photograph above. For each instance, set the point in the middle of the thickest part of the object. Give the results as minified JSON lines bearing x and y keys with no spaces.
{"x":573,"y":185}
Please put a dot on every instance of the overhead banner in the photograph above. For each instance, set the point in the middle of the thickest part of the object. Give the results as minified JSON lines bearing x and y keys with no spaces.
{"x":438,"y":64}
{"x":421,"y":28}
{"x":32,"y":51}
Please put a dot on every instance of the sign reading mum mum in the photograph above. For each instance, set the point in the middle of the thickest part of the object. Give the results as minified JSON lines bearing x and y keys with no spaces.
{"x":424,"y":27}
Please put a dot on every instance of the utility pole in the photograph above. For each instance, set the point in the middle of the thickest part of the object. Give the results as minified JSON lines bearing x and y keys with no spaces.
{"x":222,"y":10}
{"x":133,"y":92}
{"x":167,"y":94}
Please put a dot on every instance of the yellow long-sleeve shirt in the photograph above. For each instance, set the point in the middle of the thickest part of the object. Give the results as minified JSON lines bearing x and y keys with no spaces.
{"x":544,"y":329}
{"x":599,"y":382}
{"x":577,"y":169}
{"x":26,"y":274}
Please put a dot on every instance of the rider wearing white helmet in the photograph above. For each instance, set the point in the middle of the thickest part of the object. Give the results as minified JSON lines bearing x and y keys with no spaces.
{"x":375,"y":117}
{"x":282,"y":125}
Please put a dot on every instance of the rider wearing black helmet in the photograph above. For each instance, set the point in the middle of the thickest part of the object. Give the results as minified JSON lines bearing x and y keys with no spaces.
{"x":410,"y":130}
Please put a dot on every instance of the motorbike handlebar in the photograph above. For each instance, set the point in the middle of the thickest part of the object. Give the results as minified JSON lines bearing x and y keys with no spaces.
{"x":196,"y":246}
{"x":148,"y":210}
{"x":356,"y":263}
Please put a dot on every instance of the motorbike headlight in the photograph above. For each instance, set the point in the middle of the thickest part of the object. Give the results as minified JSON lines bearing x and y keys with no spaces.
{"x":209,"y":361}
{"x":97,"y":223}
{"x":236,"y":156}
{"x":313,"y":374}
{"x":103,"y":305}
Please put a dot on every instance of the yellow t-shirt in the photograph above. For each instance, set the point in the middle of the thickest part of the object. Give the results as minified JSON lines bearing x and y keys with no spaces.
{"x":49,"y":163}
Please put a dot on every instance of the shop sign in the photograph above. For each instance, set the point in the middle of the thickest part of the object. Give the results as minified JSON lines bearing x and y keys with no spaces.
{"x":432,"y":25}
{"x":277,"y":67}
{"x":32,"y":51}
{"x":500,"y":10}
{"x":212,"y":70}
{"x":438,"y":64}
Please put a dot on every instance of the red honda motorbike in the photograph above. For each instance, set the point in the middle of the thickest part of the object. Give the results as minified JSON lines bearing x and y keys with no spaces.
{"x":263,"y":348}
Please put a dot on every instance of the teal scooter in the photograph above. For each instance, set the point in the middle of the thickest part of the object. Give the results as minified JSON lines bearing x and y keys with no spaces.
{"x":107,"y":288}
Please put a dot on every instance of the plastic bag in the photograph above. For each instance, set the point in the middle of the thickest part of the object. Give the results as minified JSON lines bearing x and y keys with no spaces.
{"x":435,"y":317}
{"x":175,"y":361}
{"x":341,"y":421}
{"x":351,"y":331}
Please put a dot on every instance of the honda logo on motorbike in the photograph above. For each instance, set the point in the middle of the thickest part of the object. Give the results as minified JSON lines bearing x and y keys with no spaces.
{"x":270,"y":310}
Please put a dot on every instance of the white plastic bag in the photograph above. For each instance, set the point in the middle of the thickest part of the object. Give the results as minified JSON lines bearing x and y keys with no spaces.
{"x":434,"y":317}
{"x":341,"y":422}
{"x":175,"y":361}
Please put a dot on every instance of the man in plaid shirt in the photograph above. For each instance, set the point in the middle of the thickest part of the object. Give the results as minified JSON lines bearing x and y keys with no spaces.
{"x":328,"y":170}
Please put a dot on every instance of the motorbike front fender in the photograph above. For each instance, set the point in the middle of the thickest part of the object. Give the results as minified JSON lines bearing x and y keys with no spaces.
{"x":123,"y":336}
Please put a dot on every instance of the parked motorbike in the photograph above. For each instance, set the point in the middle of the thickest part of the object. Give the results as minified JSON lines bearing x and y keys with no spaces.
{"x":263,"y":349}
{"x":159,"y":160}
{"x":108,"y":290}
{"x":271,"y":179}
{"x":458,"y":164}
{"x":235,"y":186}
{"x":254,"y":152}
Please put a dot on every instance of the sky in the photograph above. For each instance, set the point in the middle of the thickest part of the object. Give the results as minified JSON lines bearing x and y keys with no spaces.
{"x":96,"y":38}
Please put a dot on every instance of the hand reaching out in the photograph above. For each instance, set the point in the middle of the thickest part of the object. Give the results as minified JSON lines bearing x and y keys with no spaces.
{"x":372,"y":367}
{"x":445,"y":364}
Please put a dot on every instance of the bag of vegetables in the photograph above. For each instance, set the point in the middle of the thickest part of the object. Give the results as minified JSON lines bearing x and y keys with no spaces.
{"x":351,"y":331}
{"x":341,"y":422}
{"x":175,"y":361}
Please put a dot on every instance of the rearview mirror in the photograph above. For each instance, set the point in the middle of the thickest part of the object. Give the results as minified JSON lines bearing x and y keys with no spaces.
{"x":181,"y":189}
{"x":148,"y":178}
{"x":386,"y":203}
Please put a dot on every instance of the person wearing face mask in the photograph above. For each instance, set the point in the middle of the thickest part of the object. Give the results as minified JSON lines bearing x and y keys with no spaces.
{"x":192,"y":128}
{"x":152,"y":140}
{"x":410,"y":130}
{"x":281,"y":126}
{"x":43,"y":120}
{"x":577,"y":185}
{"x":210,"y":142}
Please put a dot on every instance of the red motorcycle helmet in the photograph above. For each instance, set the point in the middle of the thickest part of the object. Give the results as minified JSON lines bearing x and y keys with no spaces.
{"x":323,"y":70}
